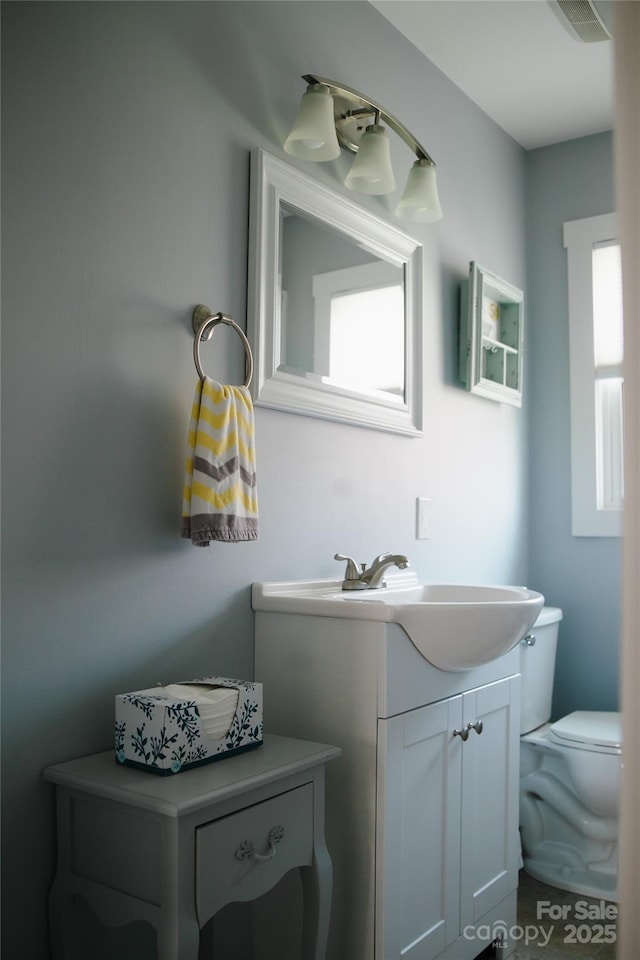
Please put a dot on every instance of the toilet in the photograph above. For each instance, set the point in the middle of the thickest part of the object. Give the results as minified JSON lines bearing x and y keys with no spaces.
{"x":569,"y":778}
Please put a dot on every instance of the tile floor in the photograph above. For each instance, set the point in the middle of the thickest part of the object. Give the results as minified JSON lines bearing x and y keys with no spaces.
{"x":563,"y":926}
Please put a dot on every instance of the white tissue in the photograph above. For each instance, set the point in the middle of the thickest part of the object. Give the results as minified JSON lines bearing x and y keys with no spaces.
{"x":216,"y":705}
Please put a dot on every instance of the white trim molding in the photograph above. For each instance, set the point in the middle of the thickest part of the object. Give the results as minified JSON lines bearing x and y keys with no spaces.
{"x":588,"y":518}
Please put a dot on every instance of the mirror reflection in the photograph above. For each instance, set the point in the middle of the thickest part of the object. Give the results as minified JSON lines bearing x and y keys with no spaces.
{"x":334,"y":305}
{"x":342,"y":309}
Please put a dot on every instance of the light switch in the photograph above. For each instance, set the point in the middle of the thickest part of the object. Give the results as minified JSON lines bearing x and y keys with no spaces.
{"x":423,"y":507}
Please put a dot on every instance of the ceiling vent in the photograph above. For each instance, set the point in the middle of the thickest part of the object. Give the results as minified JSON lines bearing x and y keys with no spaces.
{"x":583,"y":20}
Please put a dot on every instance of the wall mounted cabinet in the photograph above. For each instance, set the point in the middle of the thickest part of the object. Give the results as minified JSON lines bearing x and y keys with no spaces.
{"x":491,"y":336}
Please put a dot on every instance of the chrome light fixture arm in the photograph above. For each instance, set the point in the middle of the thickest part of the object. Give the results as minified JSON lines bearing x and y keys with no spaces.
{"x":350,"y":105}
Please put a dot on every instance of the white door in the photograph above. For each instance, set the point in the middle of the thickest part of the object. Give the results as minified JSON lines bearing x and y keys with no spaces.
{"x":418,"y":832}
{"x":490,"y":770}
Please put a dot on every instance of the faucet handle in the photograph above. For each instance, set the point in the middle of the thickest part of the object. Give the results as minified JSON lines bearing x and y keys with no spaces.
{"x":352,"y":572}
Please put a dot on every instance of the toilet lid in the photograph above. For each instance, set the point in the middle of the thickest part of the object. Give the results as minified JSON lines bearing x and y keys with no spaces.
{"x":591,"y":728}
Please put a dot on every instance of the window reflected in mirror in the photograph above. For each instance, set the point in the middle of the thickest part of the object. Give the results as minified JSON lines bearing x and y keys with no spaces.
{"x":367,"y":339}
{"x":342,"y":309}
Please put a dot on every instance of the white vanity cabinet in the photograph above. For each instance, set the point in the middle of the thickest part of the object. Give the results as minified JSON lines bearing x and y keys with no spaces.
{"x":447,"y":831}
{"x":422,"y":825}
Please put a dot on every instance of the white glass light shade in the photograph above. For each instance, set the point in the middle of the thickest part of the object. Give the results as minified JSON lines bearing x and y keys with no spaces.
{"x":420,"y":201}
{"x":313,"y":136}
{"x":371,"y":171}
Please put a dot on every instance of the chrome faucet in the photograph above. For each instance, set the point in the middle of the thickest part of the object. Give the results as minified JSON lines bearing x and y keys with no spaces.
{"x":371,"y":578}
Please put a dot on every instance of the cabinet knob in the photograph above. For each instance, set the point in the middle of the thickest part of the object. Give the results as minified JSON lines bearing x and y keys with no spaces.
{"x":247,"y":850}
{"x":478,"y":726}
{"x":463,"y":734}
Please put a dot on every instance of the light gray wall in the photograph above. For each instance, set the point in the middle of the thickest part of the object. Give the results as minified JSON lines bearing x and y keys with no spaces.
{"x":127,"y":129}
{"x":567,"y":181}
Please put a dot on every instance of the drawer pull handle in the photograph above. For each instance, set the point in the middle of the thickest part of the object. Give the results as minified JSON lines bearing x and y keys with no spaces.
{"x":477,"y":726}
{"x":463,"y":734}
{"x":247,"y":850}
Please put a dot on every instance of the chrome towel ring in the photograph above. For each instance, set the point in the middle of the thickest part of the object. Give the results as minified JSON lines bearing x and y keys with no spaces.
{"x":204,"y":322}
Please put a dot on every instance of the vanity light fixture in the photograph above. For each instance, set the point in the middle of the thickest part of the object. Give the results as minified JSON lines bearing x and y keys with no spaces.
{"x":332,"y":115}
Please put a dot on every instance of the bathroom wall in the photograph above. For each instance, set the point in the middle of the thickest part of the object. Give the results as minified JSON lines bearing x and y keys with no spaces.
{"x":127,"y":129}
{"x":566,"y":181}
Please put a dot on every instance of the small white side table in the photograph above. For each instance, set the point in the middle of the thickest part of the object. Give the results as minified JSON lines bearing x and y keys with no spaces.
{"x":172,"y":851}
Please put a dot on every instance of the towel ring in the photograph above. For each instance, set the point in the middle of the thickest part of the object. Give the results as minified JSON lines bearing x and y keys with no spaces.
{"x":204,"y":323}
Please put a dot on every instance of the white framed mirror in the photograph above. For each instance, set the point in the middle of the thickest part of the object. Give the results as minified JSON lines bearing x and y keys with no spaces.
{"x":334,"y":305}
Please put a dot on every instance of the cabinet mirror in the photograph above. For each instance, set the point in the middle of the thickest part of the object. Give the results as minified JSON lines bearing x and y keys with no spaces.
{"x":334,"y":305}
{"x":491,"y":337}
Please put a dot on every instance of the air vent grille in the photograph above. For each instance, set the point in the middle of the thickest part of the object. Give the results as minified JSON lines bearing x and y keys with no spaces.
{"x":584,"y":20}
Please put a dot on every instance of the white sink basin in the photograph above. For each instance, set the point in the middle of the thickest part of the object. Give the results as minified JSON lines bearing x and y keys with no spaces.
{"x":454,"y":626}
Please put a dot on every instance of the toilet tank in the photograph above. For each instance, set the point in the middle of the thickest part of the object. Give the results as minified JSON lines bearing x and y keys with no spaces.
{"x":537,"y":667}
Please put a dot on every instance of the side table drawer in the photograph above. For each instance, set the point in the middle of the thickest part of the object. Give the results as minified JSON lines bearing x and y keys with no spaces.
{"x":241,"y":856}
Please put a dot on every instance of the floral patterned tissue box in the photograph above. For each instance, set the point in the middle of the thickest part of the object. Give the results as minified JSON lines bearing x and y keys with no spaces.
{"x":165,"y":729}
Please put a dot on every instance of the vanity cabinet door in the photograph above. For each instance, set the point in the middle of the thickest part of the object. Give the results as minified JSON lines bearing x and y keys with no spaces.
{"x":447,"y":830}
{"x":418,"y":832}
{"x":490,"y":768}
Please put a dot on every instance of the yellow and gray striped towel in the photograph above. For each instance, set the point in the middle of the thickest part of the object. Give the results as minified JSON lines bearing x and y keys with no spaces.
{"x":220,"y":498}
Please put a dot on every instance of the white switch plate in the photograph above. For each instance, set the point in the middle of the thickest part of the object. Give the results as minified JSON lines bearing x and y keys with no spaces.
{"x":423,"y":507}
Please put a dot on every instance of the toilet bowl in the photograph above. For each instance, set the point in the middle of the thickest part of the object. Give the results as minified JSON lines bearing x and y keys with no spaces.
{"x":569,"y":778}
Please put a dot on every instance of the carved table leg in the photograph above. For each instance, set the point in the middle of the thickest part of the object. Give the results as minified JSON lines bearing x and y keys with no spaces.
{"x":317,"y":886}
{"x":179,"y":943}
{"x":178,"y":930}
{"x":59,"y":909}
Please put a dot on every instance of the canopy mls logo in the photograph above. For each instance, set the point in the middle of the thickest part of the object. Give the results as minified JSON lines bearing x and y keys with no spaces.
{"x":584,"y":921}
{"x":502,"y":936}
